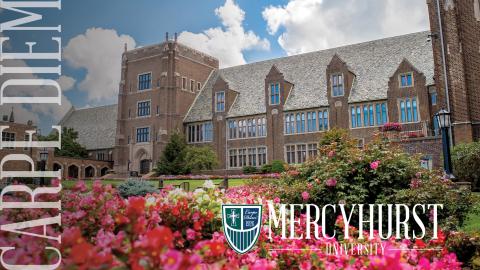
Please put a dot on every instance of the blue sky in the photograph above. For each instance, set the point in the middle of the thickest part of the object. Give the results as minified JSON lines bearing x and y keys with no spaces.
{"x":235,"y":31}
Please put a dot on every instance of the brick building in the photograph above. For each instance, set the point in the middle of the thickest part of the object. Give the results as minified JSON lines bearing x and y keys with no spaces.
{"x":271,"y":110}
{"x":17,"y":132}
{"x":460,"y":25}
{"x":96,"y":132}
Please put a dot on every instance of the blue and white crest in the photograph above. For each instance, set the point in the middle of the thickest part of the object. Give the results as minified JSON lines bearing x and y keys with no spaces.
{"x":241,"y":226}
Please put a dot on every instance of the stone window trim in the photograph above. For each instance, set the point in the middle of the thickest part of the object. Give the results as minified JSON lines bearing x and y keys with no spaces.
{"x":261,"y":131}
{"x":149,"y":128}
{"x":239,"y":150}
{"x":150,"y":110}
{"x":184,"y":83}
{"x":192,"y":86}
{"x":317,"y":119}
{"x":342,"y":84}
{"x":199,"y":86}
{"x":406,"y":74}
{"x":220,"y":102}
{"x":138,"y":81}
{"x":362,"y":116}
{"x":199,"y":133}
{"x":274,"y":94}
{"x":399,"y":110}
{"x":297,"y":149}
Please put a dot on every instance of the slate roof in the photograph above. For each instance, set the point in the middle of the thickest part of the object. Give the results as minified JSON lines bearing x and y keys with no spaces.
{"x":96,"y":127}
{"x":373,"y":63}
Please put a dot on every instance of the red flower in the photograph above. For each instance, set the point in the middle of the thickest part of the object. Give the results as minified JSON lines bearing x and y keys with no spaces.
{"x":136,"y":206}
{"x":158,"y":238}
{"x":81,"y":253}
{"x":217,"y":248}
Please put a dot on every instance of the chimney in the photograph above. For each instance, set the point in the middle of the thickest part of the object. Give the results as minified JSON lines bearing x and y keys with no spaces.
{"x":176,"y":37}
{"x":166,"y":36}
{"x":126,"y":48}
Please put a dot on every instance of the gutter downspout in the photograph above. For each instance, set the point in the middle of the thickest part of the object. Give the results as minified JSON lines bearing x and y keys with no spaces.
{"x":444,"y":65}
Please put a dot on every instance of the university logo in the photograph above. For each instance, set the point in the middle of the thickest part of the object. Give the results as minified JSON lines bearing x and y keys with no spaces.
{"x":241,"y":226}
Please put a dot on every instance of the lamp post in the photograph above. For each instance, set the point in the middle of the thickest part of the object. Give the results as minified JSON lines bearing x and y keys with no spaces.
{"x":444,"y":122}
{"x":43,"y":164}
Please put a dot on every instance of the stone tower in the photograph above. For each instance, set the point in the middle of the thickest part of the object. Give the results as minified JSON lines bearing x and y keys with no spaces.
{"x":459,"y":27}
{"x":158,"y":85}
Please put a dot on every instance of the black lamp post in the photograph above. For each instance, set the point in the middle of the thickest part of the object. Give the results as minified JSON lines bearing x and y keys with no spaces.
{"x":43,"y":164}
{"x":444,"y":122}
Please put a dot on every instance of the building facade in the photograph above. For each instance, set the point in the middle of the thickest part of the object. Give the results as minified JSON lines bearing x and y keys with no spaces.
{"x":158,"y":85}
{"x":279,"y":109}
{"x":271,"y":110}
{"x":460,"y":31}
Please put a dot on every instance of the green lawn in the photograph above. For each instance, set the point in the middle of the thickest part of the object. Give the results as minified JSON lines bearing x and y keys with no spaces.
{"x":472,"y":224}
{"x":68,"y":184}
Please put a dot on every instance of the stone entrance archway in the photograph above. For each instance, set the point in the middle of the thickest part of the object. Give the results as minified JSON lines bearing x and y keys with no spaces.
{"x":73,"y":171}
{"x":89,"y":172}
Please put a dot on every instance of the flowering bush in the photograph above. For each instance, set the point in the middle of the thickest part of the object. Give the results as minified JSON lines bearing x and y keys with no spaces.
{"x":379,"y":173}
{"x":179,"y":230}
{"x":207,"y":177}
{"x":391,"y":126}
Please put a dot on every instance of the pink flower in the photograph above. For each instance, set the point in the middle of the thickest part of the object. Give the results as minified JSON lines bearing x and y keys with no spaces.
{"x":331,"y":182}
{"x":331,"y":154}
{"x":172,"y":259}
{"x":305,"y":196}
{"x":276,"y":200}
{"x":190,"y":234}
{"x":374,"y":165}
{"x":415,"y":183}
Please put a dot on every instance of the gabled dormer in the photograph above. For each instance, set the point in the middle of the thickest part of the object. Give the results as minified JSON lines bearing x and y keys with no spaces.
{"x":222,"y":96}
{"x":408,"y":97}
{"x":277,"y":88}
{"x":339,"y":79}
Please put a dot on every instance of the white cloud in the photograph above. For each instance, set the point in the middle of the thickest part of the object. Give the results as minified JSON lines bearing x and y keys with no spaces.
{"x":226,"y":44}
{"x":24,"y":112}
{"x":66,"y":83}
{"x":309,"y":25}
{"x":98,"y":51}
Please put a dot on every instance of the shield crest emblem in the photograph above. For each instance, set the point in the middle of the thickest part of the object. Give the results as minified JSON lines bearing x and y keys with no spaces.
{"x":241,"y":226}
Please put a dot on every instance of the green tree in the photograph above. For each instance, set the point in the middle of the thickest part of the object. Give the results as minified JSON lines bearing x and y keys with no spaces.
{"x":70,"y":146}
{"x":172,"y":161}
{"x":466,"y":162}
{"x":200,"y":158}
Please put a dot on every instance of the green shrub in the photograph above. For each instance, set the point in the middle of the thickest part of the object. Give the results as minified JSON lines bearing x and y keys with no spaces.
{"x":466,"y":163}
{"x":172,"y":161}
{"x":378,"y":174}
{"x":200,"y":158}
{"x":267,"y":168}
{"x":278,"y":166}
{"x":131,"y":188}
{"x":249,"y":170}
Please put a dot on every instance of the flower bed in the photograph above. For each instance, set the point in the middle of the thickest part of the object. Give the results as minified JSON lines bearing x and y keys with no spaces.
{"x":207,"y":177}
{"x":179,"y":230}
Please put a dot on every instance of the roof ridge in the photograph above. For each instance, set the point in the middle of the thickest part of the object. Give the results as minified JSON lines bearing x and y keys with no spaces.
{"x":325,"y":50}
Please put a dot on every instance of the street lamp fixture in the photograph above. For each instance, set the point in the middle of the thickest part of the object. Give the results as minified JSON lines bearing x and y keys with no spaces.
{"x":444,"y":122}
{"x":43,"y":163}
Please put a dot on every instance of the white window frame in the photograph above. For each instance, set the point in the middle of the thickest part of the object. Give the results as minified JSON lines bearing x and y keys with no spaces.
{"x":138,"y":81}
{"x":343,"y":84}
{"x":144,"y":116}
{"x":149,"y":135}
{"x":224,"y":101}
